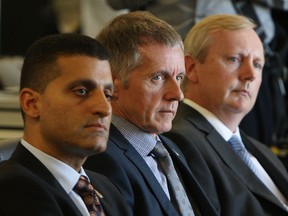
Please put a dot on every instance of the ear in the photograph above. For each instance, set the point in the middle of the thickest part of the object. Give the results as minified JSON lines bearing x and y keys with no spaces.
{"x":29,"y":101}
{"x":116,"y":83}
{"x":191,"y":68}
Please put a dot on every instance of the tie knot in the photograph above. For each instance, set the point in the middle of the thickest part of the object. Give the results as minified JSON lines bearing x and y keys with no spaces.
{"x":83,"y":186}
{"x":89,"y":196}
{"x":159,"y":150}
{"x":236,"y":143}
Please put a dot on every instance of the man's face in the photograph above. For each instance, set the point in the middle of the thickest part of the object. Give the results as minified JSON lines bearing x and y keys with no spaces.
{"x":229,"y":78}
{"x":151,"y":99}
{"x":75,"y":109}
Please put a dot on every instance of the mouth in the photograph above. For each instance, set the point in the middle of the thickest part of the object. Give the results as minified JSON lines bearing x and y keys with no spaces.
{"x":243,"y":92}
{"x":172,"y":112}
{"x":96,"y":126}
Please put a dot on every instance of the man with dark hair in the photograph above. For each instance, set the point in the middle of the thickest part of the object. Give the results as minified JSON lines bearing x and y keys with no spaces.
{"x":65,"y":93}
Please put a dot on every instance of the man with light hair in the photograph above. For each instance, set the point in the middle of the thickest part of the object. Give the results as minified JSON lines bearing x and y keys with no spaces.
{"x":224,"y":59}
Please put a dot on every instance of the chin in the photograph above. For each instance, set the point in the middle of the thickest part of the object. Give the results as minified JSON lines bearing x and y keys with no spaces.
{"x":101,"y":146}
{"x":96,"y":150}
{"x":165,"y":128}
{"x":98,"y":145}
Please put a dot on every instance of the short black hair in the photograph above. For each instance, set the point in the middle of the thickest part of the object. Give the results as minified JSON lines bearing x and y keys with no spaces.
{"x":39,"y":67}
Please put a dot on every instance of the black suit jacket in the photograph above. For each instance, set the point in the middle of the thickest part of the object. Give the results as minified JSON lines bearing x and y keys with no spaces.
{"x":127,"y":168}
{"x":226,"y":179}
{"x":27,"y":187}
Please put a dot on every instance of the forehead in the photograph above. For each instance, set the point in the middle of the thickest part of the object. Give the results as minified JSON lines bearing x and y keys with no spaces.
{"x":164,"y":55}
{"x":79,"y":70}
{"x":246,"y":36}
{"x":83,"y":66}
{"x":244,"y":40}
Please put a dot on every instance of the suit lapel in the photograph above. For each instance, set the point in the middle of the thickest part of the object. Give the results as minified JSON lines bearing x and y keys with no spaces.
{"x":132,"y":155}
{"x":240,"y":169}
{"x":229,"y":157}
{"x":189,"y":180}
{"x":24,"y":157}
{"x":276,"y":171}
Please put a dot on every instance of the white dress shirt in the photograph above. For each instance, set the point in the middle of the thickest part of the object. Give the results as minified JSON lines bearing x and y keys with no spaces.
{"x":226,"y":133}
{"x":65,"y":175}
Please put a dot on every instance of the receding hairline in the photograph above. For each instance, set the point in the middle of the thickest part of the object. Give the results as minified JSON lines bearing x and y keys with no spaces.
{"x":200,"y":34}
{"x":139,"y":28}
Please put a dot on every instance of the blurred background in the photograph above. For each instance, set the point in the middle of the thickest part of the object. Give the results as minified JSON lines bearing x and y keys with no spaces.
{"x":22,"y":22}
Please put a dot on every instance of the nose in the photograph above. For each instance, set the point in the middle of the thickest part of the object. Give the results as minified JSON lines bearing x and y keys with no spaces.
{"x":101,"y":105}
{"x":248,"y":72}
{"x":174,"y":92}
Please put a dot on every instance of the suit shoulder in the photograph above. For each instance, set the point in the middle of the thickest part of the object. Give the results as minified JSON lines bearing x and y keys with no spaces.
{"x":10,"y":169}
{"x":14,"y":174}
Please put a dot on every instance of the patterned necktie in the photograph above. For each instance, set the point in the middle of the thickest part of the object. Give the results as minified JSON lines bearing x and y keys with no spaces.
{"x":89,"y":196}
{"x":240,"y":149}
{"x":183,"y":203}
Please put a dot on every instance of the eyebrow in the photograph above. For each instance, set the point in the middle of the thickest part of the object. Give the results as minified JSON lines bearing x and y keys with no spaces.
{"x":167,"y":72}
{"x":89,"y":84}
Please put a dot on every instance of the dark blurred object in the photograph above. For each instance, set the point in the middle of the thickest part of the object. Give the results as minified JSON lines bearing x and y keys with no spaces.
{"x":1,"y":85}
{"x":281,"y":150}
{"x":281,"y":17}
{"x":22,"y":22}
{"x":178,"y":13}
{"x":131,"y":5}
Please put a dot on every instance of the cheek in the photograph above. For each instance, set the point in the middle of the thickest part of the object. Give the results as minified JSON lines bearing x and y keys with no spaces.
{"x":140,"y":97}
{"x":55,"y":111}
{"x":215,"y":84}
{"x":255,"y":86}
{"x":142,"y":105}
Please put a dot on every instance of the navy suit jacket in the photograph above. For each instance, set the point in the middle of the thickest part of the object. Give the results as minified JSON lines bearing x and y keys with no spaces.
{"x":226,"y":179}
{"x":127,"y":168}
{"x":27,"y":187}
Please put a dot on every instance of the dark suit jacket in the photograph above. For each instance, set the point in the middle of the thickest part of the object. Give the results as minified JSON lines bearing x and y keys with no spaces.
{"x":27,"y":187}
{"x":123,"y":164}
{"x":220,"y":171}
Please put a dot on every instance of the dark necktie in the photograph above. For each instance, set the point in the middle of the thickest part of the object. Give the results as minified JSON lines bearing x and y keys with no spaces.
{"x":183,"y":203}
{"x":89,"y":196}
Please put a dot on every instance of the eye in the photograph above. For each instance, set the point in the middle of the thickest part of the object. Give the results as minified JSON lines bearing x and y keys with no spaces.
{"x":158,"y":77}
{"x":81,"y":91}
{"x":257,"y":65}
{"x":109,"y":94}
{"x":233,"y":59}
{"x":180,"y":77}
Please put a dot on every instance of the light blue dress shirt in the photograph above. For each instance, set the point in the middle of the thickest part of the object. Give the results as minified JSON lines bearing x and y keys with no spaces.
{"x":143,"y":143}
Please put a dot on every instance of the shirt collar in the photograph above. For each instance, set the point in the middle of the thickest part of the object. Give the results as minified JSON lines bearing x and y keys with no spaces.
{"x":143,"y":142}
{"x":65,"y":175}
{"x":221,"y":128}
